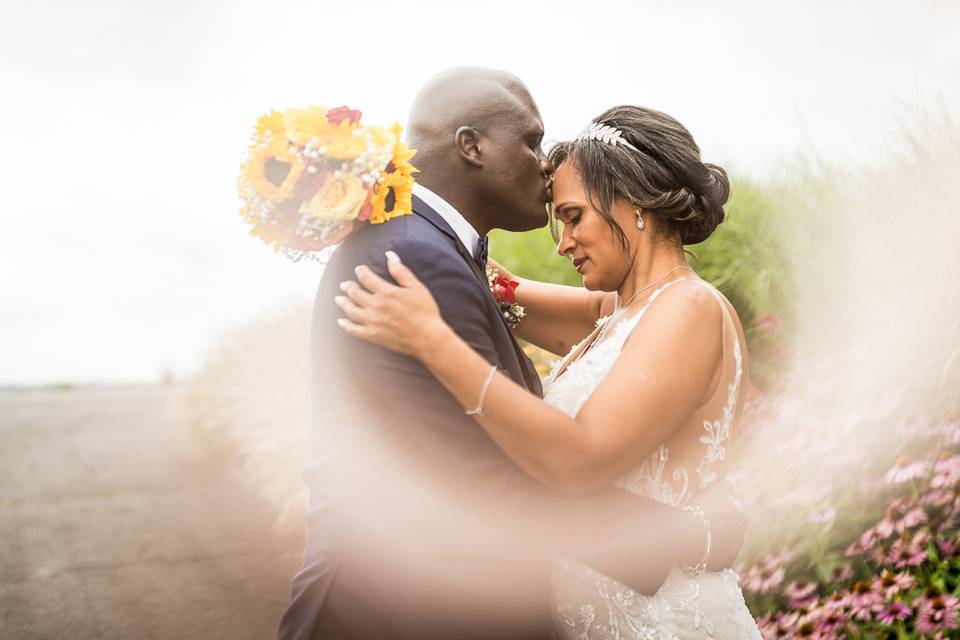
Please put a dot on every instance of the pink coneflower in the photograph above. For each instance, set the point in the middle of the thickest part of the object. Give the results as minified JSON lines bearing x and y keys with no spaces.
{"x":905,"y":471}
{"x":951,"y":431}
{"x":763,"y":579}
{"x":841,"y":573}
{"x":811,"y":631}
{"x":949,"y":548}
{"x":911,"y":519}
{"x":831,"y":621}
{"x":864,"y":600}
{"x":903,"y":555}
{"x":779,"y":557}
{"x":937,"y":613}
{"x":838,"y":601}
{"x":779,"y":626}
{"x":801,"y":594}
{"x":885,"y":528}
{"x":896,"y":611}
{"x":768,"y":572}
{"x":890,"y":584}
{"x":946,"y":473}
{"x":866,"y":542}
{"x":936,"y":498}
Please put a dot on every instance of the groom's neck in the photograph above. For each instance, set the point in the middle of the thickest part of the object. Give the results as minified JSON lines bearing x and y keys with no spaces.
{"x":463,"y":200}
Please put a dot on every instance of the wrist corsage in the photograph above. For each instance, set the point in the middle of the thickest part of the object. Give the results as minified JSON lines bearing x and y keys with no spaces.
{"x":504,"y":292}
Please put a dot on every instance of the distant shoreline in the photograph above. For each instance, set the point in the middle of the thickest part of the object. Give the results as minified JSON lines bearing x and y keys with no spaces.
{"x":67,"y":387}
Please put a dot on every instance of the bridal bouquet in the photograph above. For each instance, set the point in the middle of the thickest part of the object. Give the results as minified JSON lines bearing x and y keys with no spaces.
{"x":313,"y":175}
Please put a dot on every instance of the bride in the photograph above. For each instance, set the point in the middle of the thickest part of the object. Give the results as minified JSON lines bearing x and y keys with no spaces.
{"x":650,"y":390}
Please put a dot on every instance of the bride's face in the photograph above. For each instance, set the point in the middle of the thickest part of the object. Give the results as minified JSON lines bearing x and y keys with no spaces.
{"x":587,"y":238}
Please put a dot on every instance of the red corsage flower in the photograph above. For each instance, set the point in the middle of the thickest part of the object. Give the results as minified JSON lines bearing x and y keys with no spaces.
{"x":504,"y":292}
{"x":339,"y":114}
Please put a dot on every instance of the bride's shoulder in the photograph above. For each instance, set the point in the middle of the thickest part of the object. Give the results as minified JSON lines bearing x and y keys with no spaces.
{"x":689,"y":301}
{"x":687,"y":314}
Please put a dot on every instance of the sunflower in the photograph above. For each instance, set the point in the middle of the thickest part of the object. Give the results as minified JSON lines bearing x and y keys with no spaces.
{"x":402,"y":154}
{"x":391,"y":198}
{"x":269,"y":127}
{"x":272,"y":170}
{"x":393,"y":195}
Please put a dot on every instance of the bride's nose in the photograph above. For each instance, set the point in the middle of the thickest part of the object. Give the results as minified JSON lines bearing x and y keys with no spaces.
{"x":567,"y":243}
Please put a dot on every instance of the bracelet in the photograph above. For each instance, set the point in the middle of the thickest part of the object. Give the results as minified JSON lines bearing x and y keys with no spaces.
{"x":478,"y":410}
{"x":701,"y":567}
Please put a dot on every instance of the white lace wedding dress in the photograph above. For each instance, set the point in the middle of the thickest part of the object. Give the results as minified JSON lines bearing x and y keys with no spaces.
{"x":591,"y":606}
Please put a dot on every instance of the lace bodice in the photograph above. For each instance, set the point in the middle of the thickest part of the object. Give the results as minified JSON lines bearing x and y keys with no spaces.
{"x":570,"y":390}
{"x":591,"y":606}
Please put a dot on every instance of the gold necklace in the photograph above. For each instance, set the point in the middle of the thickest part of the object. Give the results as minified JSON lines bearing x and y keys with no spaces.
{"x":620,"y":307}
{"x":609,"y":319}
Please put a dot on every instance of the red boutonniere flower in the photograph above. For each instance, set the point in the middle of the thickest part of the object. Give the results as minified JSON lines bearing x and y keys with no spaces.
{"x":505,"y":293}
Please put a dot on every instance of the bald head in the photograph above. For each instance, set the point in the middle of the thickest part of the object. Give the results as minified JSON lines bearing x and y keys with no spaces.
{"x":463,"y":96}
{"x":477,"y":133}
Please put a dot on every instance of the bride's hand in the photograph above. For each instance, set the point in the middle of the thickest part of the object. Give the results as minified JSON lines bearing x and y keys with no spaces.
{"x":401,"y":318}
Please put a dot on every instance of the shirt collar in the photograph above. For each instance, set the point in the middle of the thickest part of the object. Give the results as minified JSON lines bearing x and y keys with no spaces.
{"x":464,"y":230}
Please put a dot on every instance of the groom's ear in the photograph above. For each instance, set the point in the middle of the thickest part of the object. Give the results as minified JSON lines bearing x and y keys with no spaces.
{"x":467,"y":140}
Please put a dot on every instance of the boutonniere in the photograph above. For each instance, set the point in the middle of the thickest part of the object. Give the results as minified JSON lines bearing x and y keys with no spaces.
{"x":505,"y":293}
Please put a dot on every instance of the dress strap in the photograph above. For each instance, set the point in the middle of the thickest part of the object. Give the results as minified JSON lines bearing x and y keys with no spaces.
{"x":723,"y":327}
{"x":718,"y":431}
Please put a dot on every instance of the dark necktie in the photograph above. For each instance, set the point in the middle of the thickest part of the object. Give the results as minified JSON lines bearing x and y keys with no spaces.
{"x":480,"y":255}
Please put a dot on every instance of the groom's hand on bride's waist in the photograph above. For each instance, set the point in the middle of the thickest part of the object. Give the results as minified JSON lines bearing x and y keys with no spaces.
{"x":728,"y":524}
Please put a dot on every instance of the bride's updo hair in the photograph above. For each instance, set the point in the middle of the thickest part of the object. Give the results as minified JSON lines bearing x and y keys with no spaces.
{"x":666,"y":177}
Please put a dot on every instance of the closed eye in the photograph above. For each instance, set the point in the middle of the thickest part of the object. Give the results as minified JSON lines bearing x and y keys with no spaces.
{"x":570,"y":216}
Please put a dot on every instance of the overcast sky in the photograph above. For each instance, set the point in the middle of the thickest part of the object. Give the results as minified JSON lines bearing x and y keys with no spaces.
{"x":124,"y":124}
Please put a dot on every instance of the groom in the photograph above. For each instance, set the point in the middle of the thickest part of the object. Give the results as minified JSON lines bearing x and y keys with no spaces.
{"x":418,"y":527}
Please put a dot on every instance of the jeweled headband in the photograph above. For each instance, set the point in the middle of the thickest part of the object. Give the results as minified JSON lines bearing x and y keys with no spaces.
{"x":605,"y":133}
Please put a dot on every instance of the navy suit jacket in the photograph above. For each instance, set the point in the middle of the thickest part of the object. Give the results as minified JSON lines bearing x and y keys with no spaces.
{"x":419,"y":527}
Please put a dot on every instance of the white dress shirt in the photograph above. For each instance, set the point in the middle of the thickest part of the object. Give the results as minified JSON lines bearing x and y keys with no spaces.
{"x":464,"y":230}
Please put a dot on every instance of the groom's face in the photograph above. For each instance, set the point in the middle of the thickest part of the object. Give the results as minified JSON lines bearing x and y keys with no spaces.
{"x":518,"y":182}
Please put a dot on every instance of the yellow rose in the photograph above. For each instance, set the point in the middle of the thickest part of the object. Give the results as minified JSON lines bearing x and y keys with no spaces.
{"x":338,"y":199}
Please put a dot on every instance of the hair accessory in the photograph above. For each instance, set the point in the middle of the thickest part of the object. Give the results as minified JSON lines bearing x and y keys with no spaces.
{"x":605,"y":133}
{"x":640,"y":223}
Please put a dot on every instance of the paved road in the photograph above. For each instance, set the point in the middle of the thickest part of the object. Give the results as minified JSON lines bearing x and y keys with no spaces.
{"x":107,"y":530}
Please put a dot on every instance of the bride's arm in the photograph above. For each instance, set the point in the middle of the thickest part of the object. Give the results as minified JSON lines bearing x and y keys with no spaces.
{"x":557,"y":316}
{"x":651,"y":389}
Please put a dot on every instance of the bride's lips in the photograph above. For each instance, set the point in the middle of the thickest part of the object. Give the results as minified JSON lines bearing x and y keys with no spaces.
{"x":578,"y":263}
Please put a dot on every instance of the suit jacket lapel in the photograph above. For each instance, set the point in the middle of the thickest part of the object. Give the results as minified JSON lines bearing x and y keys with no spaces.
{"x":528,"y":371}
{"x":424,"y":210}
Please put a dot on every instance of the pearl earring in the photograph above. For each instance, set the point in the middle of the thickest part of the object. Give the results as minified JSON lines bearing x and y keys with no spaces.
{"x":640,"y":223}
